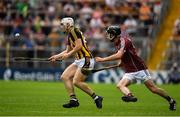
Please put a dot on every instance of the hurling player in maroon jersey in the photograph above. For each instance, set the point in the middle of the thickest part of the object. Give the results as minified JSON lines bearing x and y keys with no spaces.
{"x":133,"y":65}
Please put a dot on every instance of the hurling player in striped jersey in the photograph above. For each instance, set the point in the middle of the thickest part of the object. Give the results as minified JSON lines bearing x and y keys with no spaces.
{"x":72,"y":75}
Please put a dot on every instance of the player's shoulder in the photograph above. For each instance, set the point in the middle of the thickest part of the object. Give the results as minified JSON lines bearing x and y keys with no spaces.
{"x":126,"y":37}
{"x":75,"y":30}
{"x":125,"y":41}
{"x":76,"y":33}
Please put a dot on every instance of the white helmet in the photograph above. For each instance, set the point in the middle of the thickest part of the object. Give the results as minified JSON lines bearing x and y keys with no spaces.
{"x":66,"y":23}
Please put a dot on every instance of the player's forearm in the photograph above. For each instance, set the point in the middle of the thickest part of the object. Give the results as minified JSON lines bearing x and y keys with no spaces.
{"x":65,"y":51}
{"x":115,"y":56}
{"x":60,"y":54}
{"x":112,"y":57}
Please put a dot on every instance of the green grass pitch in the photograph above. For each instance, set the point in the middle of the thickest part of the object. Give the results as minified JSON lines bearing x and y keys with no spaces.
{"x":27,"y":98}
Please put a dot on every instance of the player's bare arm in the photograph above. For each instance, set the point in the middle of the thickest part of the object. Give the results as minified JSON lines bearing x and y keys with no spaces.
{"x":113,"y":57}
{"x":78,"y":46}
{"x":59,"y":56}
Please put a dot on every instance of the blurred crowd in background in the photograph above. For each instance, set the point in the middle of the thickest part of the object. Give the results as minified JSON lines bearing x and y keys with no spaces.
{"x":174,"y":50}
{"x":176,"y":39}
{"x":37,"y":22}
{"x":173,"y":62}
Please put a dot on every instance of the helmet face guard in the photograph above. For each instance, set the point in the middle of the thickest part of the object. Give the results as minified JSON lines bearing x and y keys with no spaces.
{"x":112,"y":32}
{"x":63,"y":27}
{"x":111,"y":36}
{"x":66,"y":23}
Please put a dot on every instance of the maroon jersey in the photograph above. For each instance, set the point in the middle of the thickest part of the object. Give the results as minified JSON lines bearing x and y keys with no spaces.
{"x":131,"y":62}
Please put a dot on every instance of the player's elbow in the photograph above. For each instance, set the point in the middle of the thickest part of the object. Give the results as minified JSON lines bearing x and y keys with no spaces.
{"x":79,"y":47}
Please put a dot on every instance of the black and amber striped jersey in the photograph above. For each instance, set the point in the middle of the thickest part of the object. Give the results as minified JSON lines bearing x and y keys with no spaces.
{"x":75,"y":34}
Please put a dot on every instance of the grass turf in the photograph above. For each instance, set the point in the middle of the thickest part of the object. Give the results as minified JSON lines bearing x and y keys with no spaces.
{"x":22,"y":98}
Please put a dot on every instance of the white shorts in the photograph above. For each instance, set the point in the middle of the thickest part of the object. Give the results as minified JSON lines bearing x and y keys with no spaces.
{"x":142,"y":75}
{"x":81,"y":63}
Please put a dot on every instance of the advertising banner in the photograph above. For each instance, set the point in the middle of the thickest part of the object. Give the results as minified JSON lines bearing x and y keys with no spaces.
{"x":30,"y":74}
{"x":106,"y":76}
